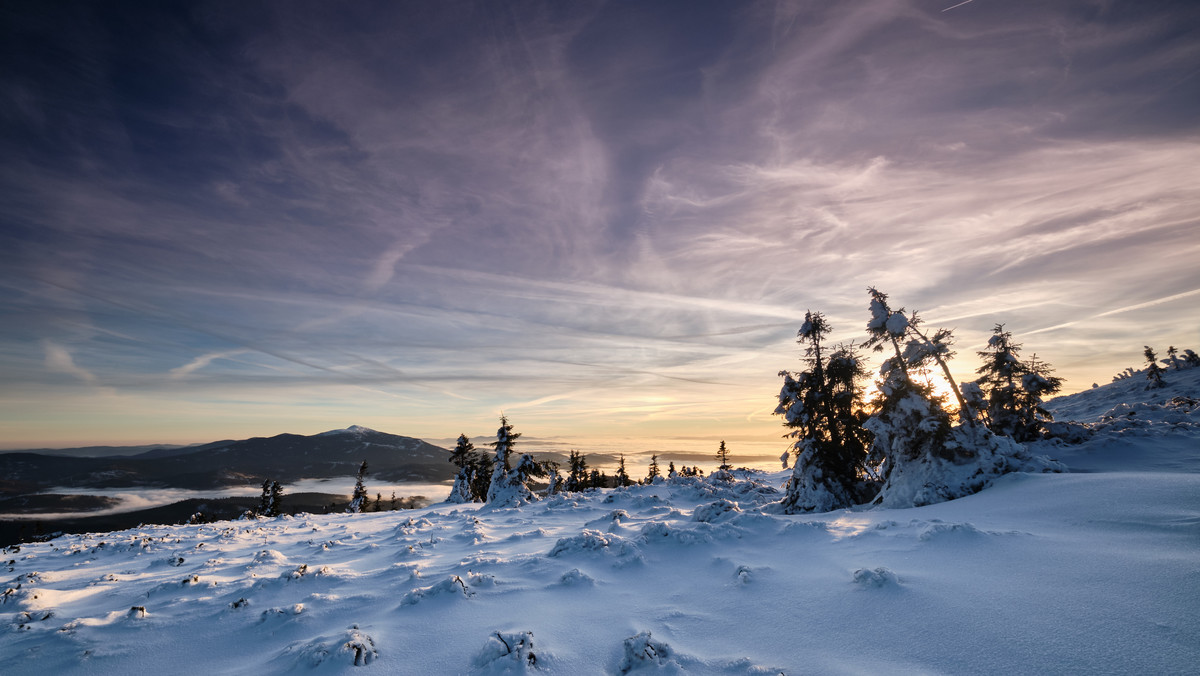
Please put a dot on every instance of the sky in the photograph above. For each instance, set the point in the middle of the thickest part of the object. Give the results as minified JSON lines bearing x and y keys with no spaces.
{"x":603,"y":219}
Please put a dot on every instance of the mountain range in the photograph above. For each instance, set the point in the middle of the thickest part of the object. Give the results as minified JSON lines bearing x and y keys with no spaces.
{"x":284,"y":458}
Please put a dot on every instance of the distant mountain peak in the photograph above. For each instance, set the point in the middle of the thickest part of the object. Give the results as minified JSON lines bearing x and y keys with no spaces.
{"x":353,"y":429}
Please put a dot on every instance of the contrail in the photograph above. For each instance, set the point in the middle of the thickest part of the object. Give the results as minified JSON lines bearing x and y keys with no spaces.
{"x":958,"y":5}
{"x":1127,"y":308}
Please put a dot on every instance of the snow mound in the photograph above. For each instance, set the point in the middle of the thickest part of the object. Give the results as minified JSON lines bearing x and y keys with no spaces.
{"x":353,"y":648}
{"x":645,"y":655}
{"x":507,"y":653}
{"x":576,"y":578}
{"x":875,"y":579}
{"x":658,"y":531}
{"x":592,"y":541}
{"x":983,"y":457}
{"x":452,"y":586}
{"x":716,"y":511}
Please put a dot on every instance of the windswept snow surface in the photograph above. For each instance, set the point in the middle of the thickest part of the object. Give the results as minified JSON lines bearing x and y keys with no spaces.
{"x":1091,"y":572}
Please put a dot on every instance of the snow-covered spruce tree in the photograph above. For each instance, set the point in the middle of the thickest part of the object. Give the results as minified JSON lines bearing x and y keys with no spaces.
{"x":358,"y":501}
{"x":527,"y":468}
{"x":1173,"y":358}
{"x":481,"y":476}
{"x":1154,"y":372}
{"x":464,"y":457}
{"x":555,"y":481}
{"x":823,"y":405}
{"x":1009,"y":392}
{"x":923,"y":457}
{"x":507,"y":487}
{"x":1191,"y":358}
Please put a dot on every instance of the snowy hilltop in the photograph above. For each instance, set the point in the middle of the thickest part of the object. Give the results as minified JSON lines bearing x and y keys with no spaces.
{"x":1092,"y":570}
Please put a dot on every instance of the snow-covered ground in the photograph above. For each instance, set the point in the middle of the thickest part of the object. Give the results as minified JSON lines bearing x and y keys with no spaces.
{"x":1096,"y":571}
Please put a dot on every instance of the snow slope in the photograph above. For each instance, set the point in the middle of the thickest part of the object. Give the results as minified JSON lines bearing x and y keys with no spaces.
{"x":1090,"y":572}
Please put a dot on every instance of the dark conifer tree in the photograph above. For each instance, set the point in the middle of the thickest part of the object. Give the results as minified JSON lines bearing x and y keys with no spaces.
{"x":1153,"y":371}
{"x":654,"y":470}
{"x":577,"y":474}
{"x":1173,"y":358}
{"x":723,"y":457}
{"x":481,"y":477}
{"x":671,"y":471}
{"x":276,"y":495}
{"x":264,"y":501}
{"x":358,"y":501}
{"x":466,"y":459}
{"x":622,"y":476}
{"x":393,"y":506}
{"x":463,"y":453}
{"x":528,"y":468}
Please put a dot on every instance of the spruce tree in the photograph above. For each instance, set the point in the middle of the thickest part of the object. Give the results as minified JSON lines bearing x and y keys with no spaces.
{"x":507,"y":485}
{"x":577,"y":473}
{"x":481,"y":477}
{"x":264,"y":501}
{"x":463,"y":453}
{"x":555,"y":482}
{"x":924,"y":458}
{"x":723,"y":457}
{"x":823,"y":404}
{"x":671,"y":472}
{"x":1173,"y":358}
{"x":466,"y":459}
{"x":622,"y":475}
{"x":276,"y":496}
{"x":1153,"y":371}
{"x":1010,"y":391}
{"x":909,"y":423}
{"x":654,"y":470}
{"x":528,"y":468}
{"x":358,"y":501}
